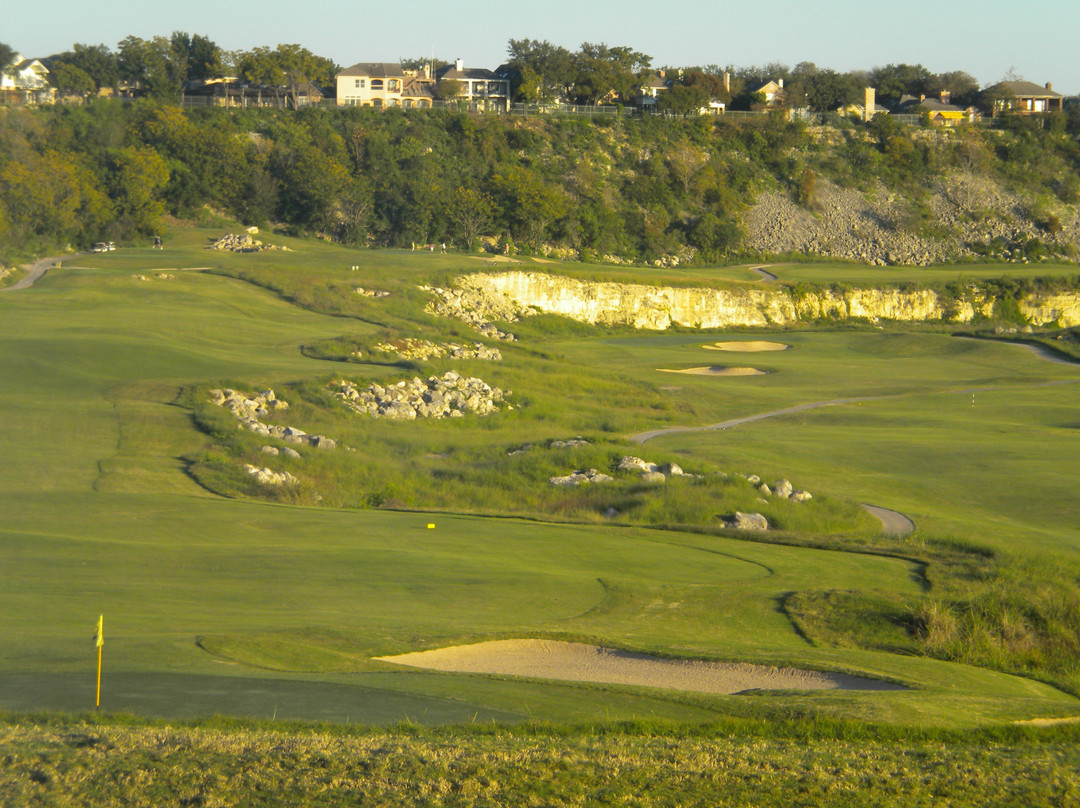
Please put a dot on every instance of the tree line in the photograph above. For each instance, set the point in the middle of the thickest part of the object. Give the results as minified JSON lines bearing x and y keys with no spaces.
{"x":641,"y":188}
{"x":540,"y":72}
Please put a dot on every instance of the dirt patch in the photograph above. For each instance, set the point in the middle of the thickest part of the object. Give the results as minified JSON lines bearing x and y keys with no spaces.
{"x":579,"y":662}
{"x":753,"y":346}
{"x":715,"y":370}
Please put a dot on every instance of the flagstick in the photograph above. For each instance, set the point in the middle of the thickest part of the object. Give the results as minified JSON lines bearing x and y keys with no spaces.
{"x":97,"y":702}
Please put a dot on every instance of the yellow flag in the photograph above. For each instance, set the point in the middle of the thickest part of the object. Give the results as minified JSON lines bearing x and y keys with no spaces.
{"x":100,"y":639}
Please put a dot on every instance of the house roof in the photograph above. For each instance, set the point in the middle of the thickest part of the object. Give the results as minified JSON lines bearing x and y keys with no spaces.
{"x":475,"y":73}
{"x":418,"y":87}
{"x":378,"y":70}
{"x":1027,"y":89}
{"x":654,"y":81}
{"x":769,"y":87}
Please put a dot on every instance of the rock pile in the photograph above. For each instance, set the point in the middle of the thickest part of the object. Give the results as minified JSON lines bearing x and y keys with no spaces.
{"x":360,"y":290}
{"x":248,"y":410}
{"x":233,"y":242}
{"x":580,"y":477}
{"x":448,"y":396}
{"x":651,"y":472}
{"x":474,"y":304}
{"x":781,"y":489}
{"x":422,"y":349}
{"x":269,"y":476}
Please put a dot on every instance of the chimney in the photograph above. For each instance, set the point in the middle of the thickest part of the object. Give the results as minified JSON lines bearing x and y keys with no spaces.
{"x":921,"y":97}
{"x":1049,"y":86}
{"x":459,"y":65}
{"x":780,"y":83}
{"x":727,"y":82}
{"x":945,"y":96}
{"x":869,"y":99}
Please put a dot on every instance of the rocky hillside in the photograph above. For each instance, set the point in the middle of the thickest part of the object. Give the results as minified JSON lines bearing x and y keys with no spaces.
{"x":961,"y":209}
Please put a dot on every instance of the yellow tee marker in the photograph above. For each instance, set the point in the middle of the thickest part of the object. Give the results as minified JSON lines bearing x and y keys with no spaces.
{"x":431,"y":526}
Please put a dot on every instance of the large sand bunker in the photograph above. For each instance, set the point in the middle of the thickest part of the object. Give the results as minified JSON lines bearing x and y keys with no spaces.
{"x":752,"y":346}
{"x":715,"y":370}
{"x":578,"y":662}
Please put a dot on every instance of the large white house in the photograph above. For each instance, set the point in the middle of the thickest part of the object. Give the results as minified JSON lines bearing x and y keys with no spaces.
{"x":26,"y":81}
{"x":383,"y":84}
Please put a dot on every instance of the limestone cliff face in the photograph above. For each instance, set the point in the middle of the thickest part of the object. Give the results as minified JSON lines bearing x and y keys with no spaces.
{"x":660,"y":307}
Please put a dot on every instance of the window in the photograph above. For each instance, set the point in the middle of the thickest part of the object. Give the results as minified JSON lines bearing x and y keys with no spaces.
{"x":376,"y":84}
{"x":393,"y":86}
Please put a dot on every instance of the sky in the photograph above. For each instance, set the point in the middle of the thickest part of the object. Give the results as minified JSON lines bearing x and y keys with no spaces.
{"x":992,"y":40}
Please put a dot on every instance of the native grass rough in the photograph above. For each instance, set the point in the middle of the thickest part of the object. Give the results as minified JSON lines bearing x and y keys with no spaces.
{"x":76,"y":763}
{"x":509,"y":296}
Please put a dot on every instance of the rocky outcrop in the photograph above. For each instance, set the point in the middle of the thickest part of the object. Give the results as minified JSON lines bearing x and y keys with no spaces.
{"x":581,"y":477}
{"x":448,"y":396}
{"x":269,"y":476}
{"x":250,"y":409}
{"x":512,"y":294}
{"x":233,"y":242}
{"x":422,"y":349}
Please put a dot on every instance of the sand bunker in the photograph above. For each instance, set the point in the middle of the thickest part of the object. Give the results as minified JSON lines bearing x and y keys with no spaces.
{"x":578,"y":662}
{"x":754,"y":346}
{"x":715,"y":370}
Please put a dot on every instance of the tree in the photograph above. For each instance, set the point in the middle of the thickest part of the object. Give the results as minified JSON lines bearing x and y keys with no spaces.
{"x":201,"y":58}
{"x":894,"y":81}
{"x":71,"y":80}
{"x":151,"y":66}
{"x":7,"y":56}
{"x":472,"y":212}
{"x":602,"y":71}
{"x":96,"y":61}
{"x":540,"y":72}
{"x":828,"y":90}
{"x":531,"y":203}
{"x":448,"y":90}
{"x":681,"y":99}
{"x":137,"y":179}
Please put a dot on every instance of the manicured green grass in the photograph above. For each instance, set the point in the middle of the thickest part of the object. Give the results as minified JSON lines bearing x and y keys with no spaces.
{"x":102,"y":374}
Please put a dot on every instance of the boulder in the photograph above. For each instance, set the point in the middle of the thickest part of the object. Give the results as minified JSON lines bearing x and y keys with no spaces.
{"x":782,"y":489}
{"x":653,"y":477}
{"x":630,"y":463}
{"x":748,"y":521}
{"x":672,"y":470}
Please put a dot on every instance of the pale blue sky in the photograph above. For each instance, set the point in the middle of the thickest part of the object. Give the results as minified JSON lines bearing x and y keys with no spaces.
{"x":1035,"y":39}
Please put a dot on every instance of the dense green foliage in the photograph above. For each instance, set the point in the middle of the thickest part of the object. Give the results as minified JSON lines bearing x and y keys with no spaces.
{"x":639,"y":188}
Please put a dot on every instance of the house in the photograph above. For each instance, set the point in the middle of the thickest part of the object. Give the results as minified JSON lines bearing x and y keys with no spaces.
{"x":650,"y":90}
{"x":1025,"y":97}
{"x":384,"y":84}
{"x":773,"y":92}
{"x":479,"y":86}
{"x":371,"y":84}
{"x":939,"y":111}
{"x":26,"y":81}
